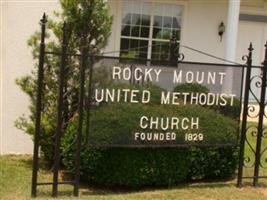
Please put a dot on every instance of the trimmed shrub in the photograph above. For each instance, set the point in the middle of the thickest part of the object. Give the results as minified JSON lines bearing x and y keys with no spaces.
{"x":115,"y":123}
{"x":132,"y":168}
{"x":135,"y":167}
{"x":212,"y":163}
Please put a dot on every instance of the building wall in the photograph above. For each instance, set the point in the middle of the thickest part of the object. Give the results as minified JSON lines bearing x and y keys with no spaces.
{"x":201,"y":19}
{"x":255,"y":32}
{"x":20,"y":19}
{"x":199,"y":29}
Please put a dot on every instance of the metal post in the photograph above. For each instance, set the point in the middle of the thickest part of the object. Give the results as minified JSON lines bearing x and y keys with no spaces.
{"x":244,"y":117}
{"x":260,"y":122}
{"x":59,"y":112}
{"x":80,"y":112}
{"x":173,"y":51}
{"x":89,"y":102}
{"x":38,"y":107}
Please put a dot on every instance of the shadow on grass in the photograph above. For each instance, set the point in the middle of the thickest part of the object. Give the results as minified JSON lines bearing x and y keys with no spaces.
{"x":97,"y":190}
{"x":204,"y":184}
{"x":93,"y":190}
{"x":61,"y":193}
{"x":100,"y":190}
{"x":249,"y":183}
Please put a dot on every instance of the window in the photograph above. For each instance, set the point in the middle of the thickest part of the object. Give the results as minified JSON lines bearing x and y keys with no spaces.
{"x":146,"y":29}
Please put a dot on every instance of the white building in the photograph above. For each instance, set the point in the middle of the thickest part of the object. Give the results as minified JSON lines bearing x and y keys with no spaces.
{"x":136,"y":23}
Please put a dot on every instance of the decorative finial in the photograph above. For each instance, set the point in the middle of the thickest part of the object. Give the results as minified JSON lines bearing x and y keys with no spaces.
{"x":44,"y":18}
{"x":250,"y":47}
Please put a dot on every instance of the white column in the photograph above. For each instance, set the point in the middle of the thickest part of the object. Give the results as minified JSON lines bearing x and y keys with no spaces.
{"x":231,"y":40}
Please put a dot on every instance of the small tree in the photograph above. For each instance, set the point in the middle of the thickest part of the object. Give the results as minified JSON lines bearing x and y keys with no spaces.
{"x":86,"y":19}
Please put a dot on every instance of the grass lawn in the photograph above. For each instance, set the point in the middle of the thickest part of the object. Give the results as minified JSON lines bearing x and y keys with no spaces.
{"x":15,"y":183}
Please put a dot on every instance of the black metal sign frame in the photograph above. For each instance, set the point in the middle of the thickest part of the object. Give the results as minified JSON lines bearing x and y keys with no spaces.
{"x":170,"y":65}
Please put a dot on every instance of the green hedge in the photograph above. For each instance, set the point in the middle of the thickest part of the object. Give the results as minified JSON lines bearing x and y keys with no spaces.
{"x":212,"y":163}
{"x":137,"y":168}
{"x":115,"y":123}
{"x":149,"y":166}
{"x":133,"y":168}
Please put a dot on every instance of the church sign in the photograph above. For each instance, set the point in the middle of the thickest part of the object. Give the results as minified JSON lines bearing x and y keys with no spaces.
{"x":154,"y":104}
